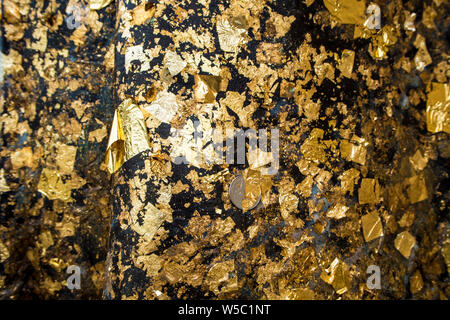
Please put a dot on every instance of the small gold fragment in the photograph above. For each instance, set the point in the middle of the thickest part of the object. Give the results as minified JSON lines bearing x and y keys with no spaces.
{"x":337,"y":212}
{"x":128,"y":135}
{"x":416,"y":282}
{"x":422,"y":57}
{"x":143,"y":13}
{"x":417,"y":189}
{"x":346,"y":63}
{"x":347,"y":11}
{"x":206,"y":88}
{"x":404,"y":242}
{"x":338,"y":276}
{"x":371,"y":224}
{"x":369,"y":192}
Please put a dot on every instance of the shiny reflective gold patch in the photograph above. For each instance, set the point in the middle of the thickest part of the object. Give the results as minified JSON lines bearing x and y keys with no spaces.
{"x":230,"y":37}
{"x":353,"y":152}
{"x":338,"y":276}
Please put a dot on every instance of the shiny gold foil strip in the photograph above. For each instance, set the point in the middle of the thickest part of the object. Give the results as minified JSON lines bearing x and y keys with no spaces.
{"x":128,"y":135}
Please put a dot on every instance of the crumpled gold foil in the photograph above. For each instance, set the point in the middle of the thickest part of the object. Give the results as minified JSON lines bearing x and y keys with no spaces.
{"x":128,"y":135}
{"x":347,"y":11}
{"x":338,"y":276}
{"x":422,"y":57}
{"x":346,"y":63}
{"x":230,"y":37}
{"x":337,"y":212}
{"x":438,"y":108}
{"x":404,"y":242}
{"x":252,"y":189}
{"x":372,"y":227}
{"x":98,"y":4}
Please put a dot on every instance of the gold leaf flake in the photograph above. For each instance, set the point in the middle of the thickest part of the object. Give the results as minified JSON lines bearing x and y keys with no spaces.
{"x":143,"y":13}
{"x":98,"y":4}
{"x":417,"y":189}
{"x":4,"y":252}
{"x":346,"y":63}
{"x":438,"y":108}
{"x":174,"y":63}
{"x":348,"y":180}
{"x":22,"y":158}
{"x":347,"y":11}
{"x":165,"y":106}
{"x":128,"y":135}
{"x":338,"y":276}
{"x":369,"y":192}
{"x":418,"y":161}
{"x":353,"y":152}
{"x":66,"y":158}
{"x":3,"y":183}
{"x":230,"y":37}
{"x":371,"y":225}
{"x":404,"y":242}
{"x":57,"y":186}
{"x":416,"y":282}
{"x":337,"y":212}
{"x":422,"y":57}
{"x":206,"y":88}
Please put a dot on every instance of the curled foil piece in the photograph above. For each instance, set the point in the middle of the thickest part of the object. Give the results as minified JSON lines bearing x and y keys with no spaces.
{"x":128,"y":135}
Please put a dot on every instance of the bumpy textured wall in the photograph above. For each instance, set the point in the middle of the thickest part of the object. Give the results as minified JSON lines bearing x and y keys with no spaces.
{"x":363,"y":117}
